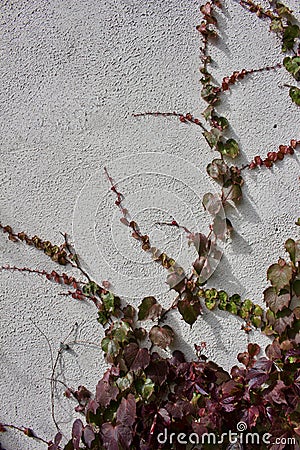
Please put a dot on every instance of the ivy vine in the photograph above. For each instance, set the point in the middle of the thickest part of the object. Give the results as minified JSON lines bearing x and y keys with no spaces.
{"x":144,"y":394}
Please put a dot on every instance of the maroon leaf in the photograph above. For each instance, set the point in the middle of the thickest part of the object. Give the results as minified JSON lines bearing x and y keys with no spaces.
{"x":282,"y":323}
{"x":126,"y":412}
{"x":179,"y":408}
{"x":106,"y":391}
{"x":136,"y":357}
{"x":200,"y":242}
{"x":163,"y":413}
{"x":259,"y":373}
{"x":157,"y":370}
{"x":253,"y":415}
{"x":189,"y":311}
{"x":273,"y":351}
{"x":58,"y":438}
{"x":276,"y":395}
{"x":116,"y":437}
{"x":276,"y":302}
{"x":93,"y":406}
{"x":253,"y":350}
{"x":280,"y":274}
{"x":293,"y":247}
{"x":161,"y":336}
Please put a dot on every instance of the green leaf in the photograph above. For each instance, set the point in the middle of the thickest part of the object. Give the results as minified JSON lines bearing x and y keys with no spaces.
{"x":235,"y":299}
{"x":276,"y":25}
{"x":230,"y":148}
{"x":245,"y":309}
{"x":148,"y":388}
{"x":296,"y":287}
{"x":108,"y":301}
{"x":256,"y":321}
{"x":110,"y":347}
{"x":291,"y":32}
{"x":298,"y":222}
{"x":209,"y":93}
{"x":217,"y":169}
{"x":90,"y":288}
{"x":120,"y":331}
{"x":207,"y":112}
{"x":212,"y":137}
{"x":145,"y":387}
{"x":292,"y":65}
{"x":293,"y":248}
{"x":102,"y":317}
{"x":282,"y":9}
{"x":233,"y":193}
{"x":189,"y":311}
{"x":280,"y":274}
{"x":223,"y":299}
{"x":149,"y":309}
{"x":210,"y":303}
{"x":124,"y":383}
{"x":294,"y":93}
{"x":221,"y":121}
{"x":258,"y":311}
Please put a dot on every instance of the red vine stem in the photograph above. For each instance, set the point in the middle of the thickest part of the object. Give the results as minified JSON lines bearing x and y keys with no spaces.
{"x":27,"y":431}
{"x":272,"y":157}
{"x":184,"y":118}
{"x":58,"y":278}
{"x":239,"y":75}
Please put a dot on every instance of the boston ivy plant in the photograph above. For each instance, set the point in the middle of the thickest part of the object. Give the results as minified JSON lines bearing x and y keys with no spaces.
{"x":145,"y":397}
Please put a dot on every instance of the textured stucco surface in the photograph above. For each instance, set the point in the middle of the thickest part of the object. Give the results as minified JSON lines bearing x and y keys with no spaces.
{"x":72,"y":74}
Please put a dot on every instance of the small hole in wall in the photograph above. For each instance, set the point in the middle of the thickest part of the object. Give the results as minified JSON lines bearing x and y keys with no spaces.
{"x":275,"y":126}
{"x":276,"y":228}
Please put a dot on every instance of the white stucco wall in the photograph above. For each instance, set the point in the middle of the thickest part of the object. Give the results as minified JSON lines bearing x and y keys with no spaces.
{"x":72,"y":74}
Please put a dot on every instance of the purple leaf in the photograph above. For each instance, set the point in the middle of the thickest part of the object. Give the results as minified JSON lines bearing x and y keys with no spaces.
{"x":136,"y":357}
{"x":116,"y":437}
{"x":126,"y":412}
{"x":157,"y":370}
{"x":106,"y":391}
{"x":58,"y":438}
{"x":273,"y":351}
{"x":276,"y":395}
{"x":259,"y":373}
{"x":77,"y":433}
{"x":88,"y":435}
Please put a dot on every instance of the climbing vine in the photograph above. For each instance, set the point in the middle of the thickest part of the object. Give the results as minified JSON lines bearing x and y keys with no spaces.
{"x":146,"y":400}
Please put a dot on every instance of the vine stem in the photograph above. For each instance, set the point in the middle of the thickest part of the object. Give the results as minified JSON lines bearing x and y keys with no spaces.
{"x":28,"y":432}
{"x":184,"y":118}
